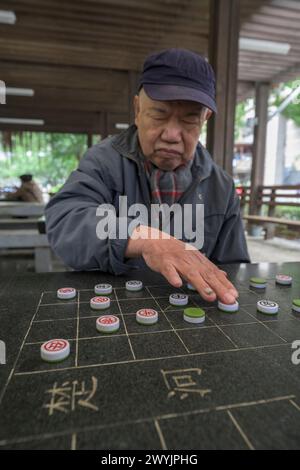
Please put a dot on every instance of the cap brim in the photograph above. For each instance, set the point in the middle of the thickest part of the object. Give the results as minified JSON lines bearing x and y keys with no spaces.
{"x":175,"y":92}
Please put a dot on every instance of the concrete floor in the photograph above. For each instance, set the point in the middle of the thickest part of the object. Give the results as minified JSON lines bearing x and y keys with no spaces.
{"x":277,"y":250}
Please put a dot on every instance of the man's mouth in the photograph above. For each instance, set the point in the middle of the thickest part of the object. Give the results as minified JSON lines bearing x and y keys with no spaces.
{"x":168,"y":152}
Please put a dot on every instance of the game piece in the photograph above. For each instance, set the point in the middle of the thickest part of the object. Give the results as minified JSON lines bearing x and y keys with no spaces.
{"x":99,"y":303}
{"x":191,"y":287}
{"x":66,"y":293}
{"x":296,"y":305}
{"x":258,"y":282}
{"x":55,"y":350}
{"x":107,"y":324}
{"x":266,"y":306}
{"x":284,"y":280}
{"x":228,"y":307}
{"x":178,"y":299}
{"x":103,"y":289}
{"x":147,"y":316}
{"x":134,"y":286}
{"x":194,"y":315}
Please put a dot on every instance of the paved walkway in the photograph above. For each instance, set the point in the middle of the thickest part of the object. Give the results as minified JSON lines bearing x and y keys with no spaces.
{"x":276,"y":250}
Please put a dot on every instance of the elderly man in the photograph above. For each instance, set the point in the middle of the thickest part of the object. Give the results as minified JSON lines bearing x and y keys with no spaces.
{"x":159,"y":160}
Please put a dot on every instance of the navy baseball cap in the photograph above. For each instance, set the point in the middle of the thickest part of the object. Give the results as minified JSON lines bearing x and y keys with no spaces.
{"x":179,"y":74}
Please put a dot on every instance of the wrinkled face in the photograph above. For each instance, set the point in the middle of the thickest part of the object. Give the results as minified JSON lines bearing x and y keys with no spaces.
{"x":168,"y":131}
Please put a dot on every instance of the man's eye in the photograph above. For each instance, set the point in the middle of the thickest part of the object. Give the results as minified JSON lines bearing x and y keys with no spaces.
{"x":158,"y":118}
{"x":191,"y":121}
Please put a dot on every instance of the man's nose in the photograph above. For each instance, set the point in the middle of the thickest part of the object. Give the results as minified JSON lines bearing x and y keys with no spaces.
{"x":172,"y":132}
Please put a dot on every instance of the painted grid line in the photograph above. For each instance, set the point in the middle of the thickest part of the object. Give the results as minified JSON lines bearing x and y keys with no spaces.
{"x":77,"y":330}
{"x":19,"y":353}
{"x":238,"y":427}
{"x":158,"y":418}
{"x":150,"y":359}
{"x":131,"y":347}
{"x":160,"y":435}
{"x":173,"y":329}
{"x":295,"y":404}
{"x":269,"y":329}
{"x":74,"y":441}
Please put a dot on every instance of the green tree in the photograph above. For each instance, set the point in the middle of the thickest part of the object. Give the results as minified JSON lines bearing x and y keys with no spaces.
{"x":50,"y":157}
{"x":292,"y":111}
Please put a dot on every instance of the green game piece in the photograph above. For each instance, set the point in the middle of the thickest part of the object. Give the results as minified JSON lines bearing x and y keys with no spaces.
{"x":258,"y":280}
{"x":194,"y":312}
{"x":296,"y":302}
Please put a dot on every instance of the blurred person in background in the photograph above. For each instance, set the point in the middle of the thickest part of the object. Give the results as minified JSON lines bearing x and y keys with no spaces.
{"x":29,"y":191}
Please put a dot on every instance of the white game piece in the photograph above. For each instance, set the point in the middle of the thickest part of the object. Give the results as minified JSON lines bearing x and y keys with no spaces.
{"x":66,"y":293}
{"x":258,"y":282}
{"x":103,"y":289}
{"x":100,"y":303}
{"x":296,"y":305}
{"x":55,"y":350}
{"x":107,"y":324}
{"x":191,"y":287}
{"x":178,"y":299}
{"x":228,"y":307}
{"x":258,"y":286}
{"x":284,"y":280}
{"x":134,"y":286}
{"x":147,"y":316}
{"x":194,"y":315}
{"x":266,"y":306}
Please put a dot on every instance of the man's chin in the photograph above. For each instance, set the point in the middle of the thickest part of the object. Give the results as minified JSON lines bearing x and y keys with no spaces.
{"x":167,"y":164}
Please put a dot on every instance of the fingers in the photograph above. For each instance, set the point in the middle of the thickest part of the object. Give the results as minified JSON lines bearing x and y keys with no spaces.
{"x":224,"y":272}
{"x":217,"y":279}
{"x":175,"y":262}
{"x":226,"y":283}
{"x":225,"y":294}
{"x":172,"y":276}
{"x":204,"y":275}
{"x":204,"y":289}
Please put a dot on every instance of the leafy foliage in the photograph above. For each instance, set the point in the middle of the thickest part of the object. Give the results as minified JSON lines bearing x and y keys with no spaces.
{"x":292,"y":111}
{"x":50,"y":157}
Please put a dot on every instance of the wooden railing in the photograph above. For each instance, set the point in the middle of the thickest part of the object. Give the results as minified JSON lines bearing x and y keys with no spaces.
{"x":270,"y":196}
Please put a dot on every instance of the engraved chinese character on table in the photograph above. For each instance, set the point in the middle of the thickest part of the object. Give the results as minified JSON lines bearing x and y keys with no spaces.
{"x":66,"y":397}
{"x":183,"y":382}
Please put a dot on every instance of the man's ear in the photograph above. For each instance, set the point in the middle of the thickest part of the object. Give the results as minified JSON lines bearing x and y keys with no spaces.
{"x":208,"y":113}
{"x":136,"y":105}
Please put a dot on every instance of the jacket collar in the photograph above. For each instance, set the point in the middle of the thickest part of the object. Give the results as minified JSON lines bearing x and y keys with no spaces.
{"x":127,"y":144}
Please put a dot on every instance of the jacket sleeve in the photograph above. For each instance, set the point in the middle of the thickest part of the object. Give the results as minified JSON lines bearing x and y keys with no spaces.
{"x":71,"y":219}
{"x":231,"y":246}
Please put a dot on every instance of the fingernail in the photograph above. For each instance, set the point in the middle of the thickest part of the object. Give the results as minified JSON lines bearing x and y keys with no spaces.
{"x":208,"y":291}
{"x":233,"y":292}
{"x":230,"y":299}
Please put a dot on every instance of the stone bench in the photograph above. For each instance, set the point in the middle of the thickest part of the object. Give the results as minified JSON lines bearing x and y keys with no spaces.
{"x":29,"y":239}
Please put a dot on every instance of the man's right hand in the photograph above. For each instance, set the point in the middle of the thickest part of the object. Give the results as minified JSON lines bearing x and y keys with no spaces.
{"x":175,"y":260}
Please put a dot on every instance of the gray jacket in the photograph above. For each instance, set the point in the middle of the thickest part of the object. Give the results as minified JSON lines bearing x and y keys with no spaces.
{"x":113,"y":168}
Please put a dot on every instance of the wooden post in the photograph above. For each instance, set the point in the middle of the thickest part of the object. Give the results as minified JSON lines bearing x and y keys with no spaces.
{"x":133,"y":81}
{"x":259,"y":144}
{"x":104,"y":125}
{"x":89,"y":139}
{"x":223,"y":56}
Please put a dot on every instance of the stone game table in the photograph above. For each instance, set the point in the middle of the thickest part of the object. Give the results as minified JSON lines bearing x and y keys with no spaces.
{"x":229,"y":383}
